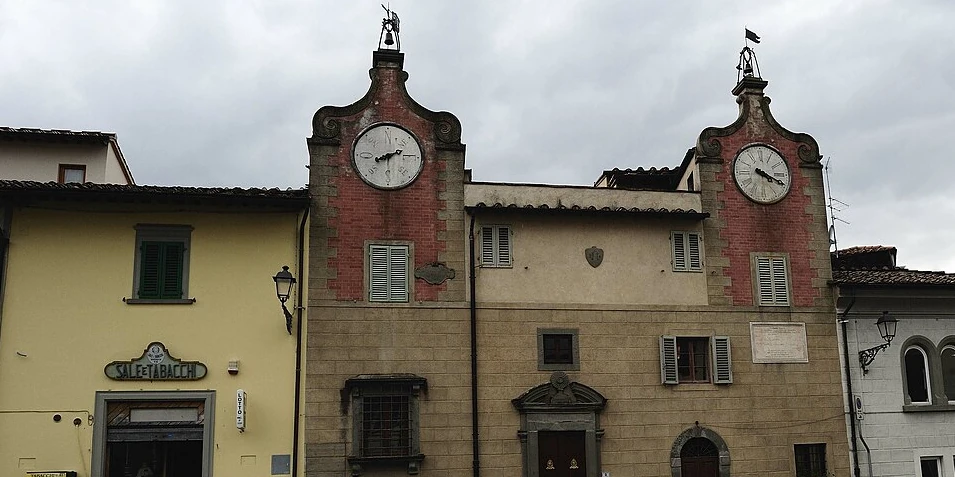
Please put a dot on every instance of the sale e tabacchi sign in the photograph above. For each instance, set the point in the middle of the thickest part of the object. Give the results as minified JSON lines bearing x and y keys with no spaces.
{"x":155,"y":364}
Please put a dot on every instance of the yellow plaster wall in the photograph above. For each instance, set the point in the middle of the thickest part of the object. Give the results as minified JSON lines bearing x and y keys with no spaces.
{"x":67,"y":275}
{"x":547,"y":250}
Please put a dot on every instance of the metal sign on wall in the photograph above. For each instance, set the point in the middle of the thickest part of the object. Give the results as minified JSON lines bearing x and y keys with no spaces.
{"x":155,"y":364}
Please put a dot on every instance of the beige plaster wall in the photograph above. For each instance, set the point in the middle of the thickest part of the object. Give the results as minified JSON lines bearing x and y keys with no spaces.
{"x":114,"y":167}
{"x":64,"y":319}
{"x":40,"y":162}
{"x":549,"y":265}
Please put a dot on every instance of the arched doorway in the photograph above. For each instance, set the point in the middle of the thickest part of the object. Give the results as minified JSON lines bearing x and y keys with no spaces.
{"x":699,"y":452}
{"x":700,"y":458}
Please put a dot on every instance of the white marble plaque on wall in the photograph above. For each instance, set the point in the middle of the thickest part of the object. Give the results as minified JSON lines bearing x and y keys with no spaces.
{"x":779,"y":342}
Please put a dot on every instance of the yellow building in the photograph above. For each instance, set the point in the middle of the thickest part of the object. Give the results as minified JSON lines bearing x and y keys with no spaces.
{"x":134,"y":321}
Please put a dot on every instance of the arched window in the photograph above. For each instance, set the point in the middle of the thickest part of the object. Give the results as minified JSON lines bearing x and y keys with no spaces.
{"x":916,"y":376}
{"x":948,"y":371}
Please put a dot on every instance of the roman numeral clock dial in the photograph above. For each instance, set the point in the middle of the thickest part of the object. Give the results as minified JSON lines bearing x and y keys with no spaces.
{"x":387,"y":156}
{"x":762,"y":174}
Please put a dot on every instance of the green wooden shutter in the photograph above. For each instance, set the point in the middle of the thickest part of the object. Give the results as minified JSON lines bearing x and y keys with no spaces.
{"x":722,"y":363}
{"x":150,"y":263}
{"x":668,"y":360}
{"x":172,"y":262}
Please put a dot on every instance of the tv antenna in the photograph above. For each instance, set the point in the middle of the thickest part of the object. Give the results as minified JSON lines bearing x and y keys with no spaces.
{"x":834,"y":205}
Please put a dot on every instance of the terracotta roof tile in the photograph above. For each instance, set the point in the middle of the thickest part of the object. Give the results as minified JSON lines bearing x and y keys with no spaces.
{"x":893,"y":277}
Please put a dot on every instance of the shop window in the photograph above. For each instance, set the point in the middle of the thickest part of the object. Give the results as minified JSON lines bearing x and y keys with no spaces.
{"x":385,"y":420}
{"x":695,"y":360}
{"x":686,"y":251}
{"x":917,"y":379}
{"x":388,"y":271}
{"x":810,"y":460}
{"x":557,"y":349}
{"x":161,"y":269}
{"x":496,"y":246}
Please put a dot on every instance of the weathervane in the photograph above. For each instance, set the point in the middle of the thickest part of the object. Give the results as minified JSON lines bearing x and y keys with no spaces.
{"x":748,"y":66}
{"x":389,"y":31}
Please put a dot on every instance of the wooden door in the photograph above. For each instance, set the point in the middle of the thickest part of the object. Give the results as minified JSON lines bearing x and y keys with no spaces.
{"x":700,"y":458}
{"x":562,"y":454}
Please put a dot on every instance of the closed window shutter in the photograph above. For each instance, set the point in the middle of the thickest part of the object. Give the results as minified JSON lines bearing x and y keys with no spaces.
{"x":172,"y":260}
{"x":398,"y":273}
{"x":722,"y":363}
{"x":780,"y":281}
{"x":487,"y":246}
{"x":504,"y":246}
{"x":678,"y":240}
{"x":668,"y":361}
{"x":150,"y":261}
{"x":764,"y":278}
{"x":693,"y":248}
{"x":378,"y":281}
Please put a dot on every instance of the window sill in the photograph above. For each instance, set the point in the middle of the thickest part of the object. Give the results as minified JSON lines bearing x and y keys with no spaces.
{"x":413,"y":462}
{"x":928,"y":407}
{"x":155,"y":301}
{"x":559,"y":367}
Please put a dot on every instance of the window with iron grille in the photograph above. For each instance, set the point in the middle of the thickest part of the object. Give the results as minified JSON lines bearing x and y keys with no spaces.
{"x":695,"y":360}
{"x":385,"y":418}
{"x":496,"y":246}
{"x":161,"y":267}
{"x":772,"y":279}
{"x":810,"y":460}
{"x":557,"y":349}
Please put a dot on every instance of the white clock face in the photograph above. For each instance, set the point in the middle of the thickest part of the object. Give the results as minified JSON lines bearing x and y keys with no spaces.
{"x":762,"y":174}
{"x":387,"y":156}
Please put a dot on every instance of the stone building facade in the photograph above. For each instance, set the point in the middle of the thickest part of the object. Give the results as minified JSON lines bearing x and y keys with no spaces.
{"x":904,"y":396}
{"x":662,"y":322}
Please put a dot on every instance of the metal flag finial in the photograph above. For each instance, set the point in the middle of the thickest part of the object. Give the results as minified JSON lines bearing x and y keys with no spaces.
{"x":748,"y":66}
{"x":389,"y":39}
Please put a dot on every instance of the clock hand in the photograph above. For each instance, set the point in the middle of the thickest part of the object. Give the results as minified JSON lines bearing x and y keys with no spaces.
{"x":387,"y":155}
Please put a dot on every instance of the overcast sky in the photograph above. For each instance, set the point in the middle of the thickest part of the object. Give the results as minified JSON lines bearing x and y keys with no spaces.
{"x":221,"y":93}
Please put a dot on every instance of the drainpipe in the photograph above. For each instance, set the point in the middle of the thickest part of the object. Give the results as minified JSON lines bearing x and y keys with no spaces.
{"x":852,"y":408}
{"x":5,"y":222}
{"x":868,"y":452}
{"x":475,"y":448}
{"x":298,"y":342}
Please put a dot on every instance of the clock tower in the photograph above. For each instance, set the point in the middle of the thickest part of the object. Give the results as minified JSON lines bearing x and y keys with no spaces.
{"x":388,"y":347}
{"x":762,"y":186}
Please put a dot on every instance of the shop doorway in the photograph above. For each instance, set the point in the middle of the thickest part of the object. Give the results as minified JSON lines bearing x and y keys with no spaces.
{"x":153,"y":434}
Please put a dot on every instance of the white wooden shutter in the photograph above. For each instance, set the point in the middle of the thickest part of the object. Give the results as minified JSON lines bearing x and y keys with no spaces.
{"x":678,"y":241}
{"x":695,"y":261}
{"x":398,"y":274}
{"x":487,"y":246}
{"x":722,"y":362}
{"x":764,"y":279}
{"x":504,"y":246}
{"x":668,"y":371}
{"x":378,"y":276}
{"x":780,"y":281}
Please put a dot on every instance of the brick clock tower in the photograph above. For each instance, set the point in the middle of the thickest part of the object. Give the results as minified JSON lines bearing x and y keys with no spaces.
{"x":767,"y":239}
{"x":388,"y":355}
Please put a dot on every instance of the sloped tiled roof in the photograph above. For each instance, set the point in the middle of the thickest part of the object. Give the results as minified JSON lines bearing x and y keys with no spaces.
{"x":873,"y":265}
{"x":26,"y":192}
{"x":63,"y":135}
{"x":591,"y":208}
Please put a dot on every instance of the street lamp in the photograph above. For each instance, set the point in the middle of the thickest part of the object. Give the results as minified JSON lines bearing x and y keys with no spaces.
{"x":283,"y":288}
{"x":887,"y":325}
